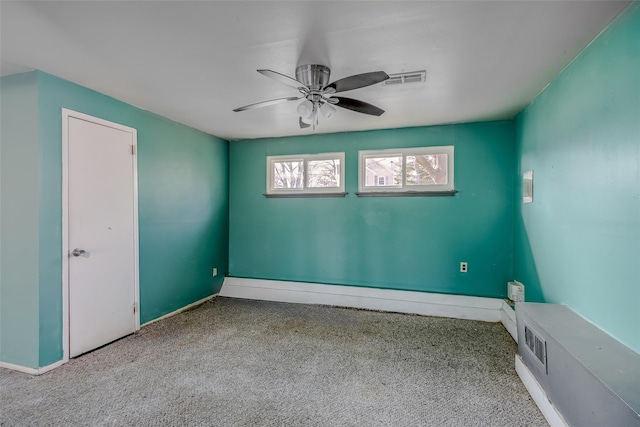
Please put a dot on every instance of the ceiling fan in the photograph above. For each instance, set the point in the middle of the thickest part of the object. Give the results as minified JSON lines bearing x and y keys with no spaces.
{"x":312,"y":81}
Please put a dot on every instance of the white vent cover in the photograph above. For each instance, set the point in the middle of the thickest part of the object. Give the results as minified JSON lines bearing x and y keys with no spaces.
{"x":537,"y":346}
{"x":405,"y":78}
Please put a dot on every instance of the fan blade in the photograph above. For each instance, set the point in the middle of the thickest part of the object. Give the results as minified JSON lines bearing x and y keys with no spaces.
{"x":358,"y":81}
{"x":283,"y":79}
{"x":302,"y":124}
{"x":358,"y":106}
{"x":267,"y":103}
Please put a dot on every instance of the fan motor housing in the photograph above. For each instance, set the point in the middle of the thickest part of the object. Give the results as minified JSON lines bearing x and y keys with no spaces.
{"x":313,"y":76}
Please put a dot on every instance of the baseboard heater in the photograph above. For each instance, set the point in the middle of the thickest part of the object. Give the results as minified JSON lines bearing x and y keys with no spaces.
{"x":590,"y":378}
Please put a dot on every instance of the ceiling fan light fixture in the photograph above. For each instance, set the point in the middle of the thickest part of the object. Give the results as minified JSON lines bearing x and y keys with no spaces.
{"x":312,"y":81}
{"x":305,"y":109}
{"x":327,"y":110}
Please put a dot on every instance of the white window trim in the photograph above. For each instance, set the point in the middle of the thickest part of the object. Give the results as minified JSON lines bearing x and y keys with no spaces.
{"x":306,"y":158}
{"x":404,"y":152}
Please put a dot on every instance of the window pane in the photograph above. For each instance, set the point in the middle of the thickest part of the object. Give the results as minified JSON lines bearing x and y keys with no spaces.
{"x":427,"y":169}
{"x":323,"y":173}
{"x":383,"y":171}
{"x":288,"y":174}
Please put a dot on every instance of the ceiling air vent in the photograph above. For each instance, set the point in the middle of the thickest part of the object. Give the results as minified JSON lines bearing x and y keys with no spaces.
{"x":405,"y":78}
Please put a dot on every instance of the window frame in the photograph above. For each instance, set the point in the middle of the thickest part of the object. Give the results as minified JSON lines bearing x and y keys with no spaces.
{"x":404,"y":152}
{"x":305,"y":190}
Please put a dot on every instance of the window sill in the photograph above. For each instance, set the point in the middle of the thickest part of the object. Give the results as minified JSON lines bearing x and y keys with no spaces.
{"x":303,"y":195}
{"x":407,"y":193}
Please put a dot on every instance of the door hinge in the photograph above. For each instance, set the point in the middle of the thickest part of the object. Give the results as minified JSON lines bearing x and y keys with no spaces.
{"x":133,"y":150}
{"x":135,"y":308}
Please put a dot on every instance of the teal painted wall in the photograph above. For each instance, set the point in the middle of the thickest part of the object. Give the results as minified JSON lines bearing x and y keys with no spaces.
{"x":413,"y":243}
{"x":19,"y":231}
{"x":183,"y":207}
{"x":579,"y":242}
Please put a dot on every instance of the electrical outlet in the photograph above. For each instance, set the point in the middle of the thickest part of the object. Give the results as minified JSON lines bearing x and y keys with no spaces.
{"x":215,"y":272}
{"x":463,"y":267}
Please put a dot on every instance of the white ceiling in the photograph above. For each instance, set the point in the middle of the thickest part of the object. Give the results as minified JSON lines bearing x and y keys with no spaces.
{"x":194,"y":62}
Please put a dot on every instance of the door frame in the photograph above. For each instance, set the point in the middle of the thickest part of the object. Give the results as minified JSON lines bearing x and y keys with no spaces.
{"x":66,"y":115}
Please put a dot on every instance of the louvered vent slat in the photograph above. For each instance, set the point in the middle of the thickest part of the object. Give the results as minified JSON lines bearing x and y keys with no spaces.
{"x":405,"y":78}
{"x":537,"y":346}
{"x":393,"y":80}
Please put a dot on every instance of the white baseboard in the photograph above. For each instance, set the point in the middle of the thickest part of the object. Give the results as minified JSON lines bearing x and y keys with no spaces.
{"x":554,"y":418}
{"x":180,"y":310}
{"x":429,"y":304}
{"x":31,"y":371}
{"x":508,"y":318}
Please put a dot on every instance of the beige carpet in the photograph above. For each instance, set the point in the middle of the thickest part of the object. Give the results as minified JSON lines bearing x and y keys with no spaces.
{"x":248,"y":363}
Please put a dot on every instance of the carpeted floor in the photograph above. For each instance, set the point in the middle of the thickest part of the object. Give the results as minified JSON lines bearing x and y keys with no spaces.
{"x":234,"y":362}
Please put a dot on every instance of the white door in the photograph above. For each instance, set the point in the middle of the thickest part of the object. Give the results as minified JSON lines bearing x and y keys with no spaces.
{"x":102,"y":223}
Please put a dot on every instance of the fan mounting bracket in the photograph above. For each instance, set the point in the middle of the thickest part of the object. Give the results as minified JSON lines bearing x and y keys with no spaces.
{"x":313,"y":76}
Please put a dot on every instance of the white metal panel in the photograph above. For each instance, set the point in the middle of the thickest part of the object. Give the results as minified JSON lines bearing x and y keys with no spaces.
{"x":102,"y":221}
{"x":424,"y":303}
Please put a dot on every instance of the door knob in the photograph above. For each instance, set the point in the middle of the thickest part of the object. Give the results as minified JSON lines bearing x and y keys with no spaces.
{"x":80,"y":252}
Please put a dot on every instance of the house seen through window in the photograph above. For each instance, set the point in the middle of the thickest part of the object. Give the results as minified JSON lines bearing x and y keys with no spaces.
{"x":411,"y":169}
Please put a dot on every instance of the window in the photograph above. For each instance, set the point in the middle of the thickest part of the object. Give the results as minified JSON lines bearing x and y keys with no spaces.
{"x":406,"y":170}
{"x":305,"y":174}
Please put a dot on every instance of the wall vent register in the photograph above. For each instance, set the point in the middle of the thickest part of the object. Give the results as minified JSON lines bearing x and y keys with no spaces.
{"x":537,"y":346}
